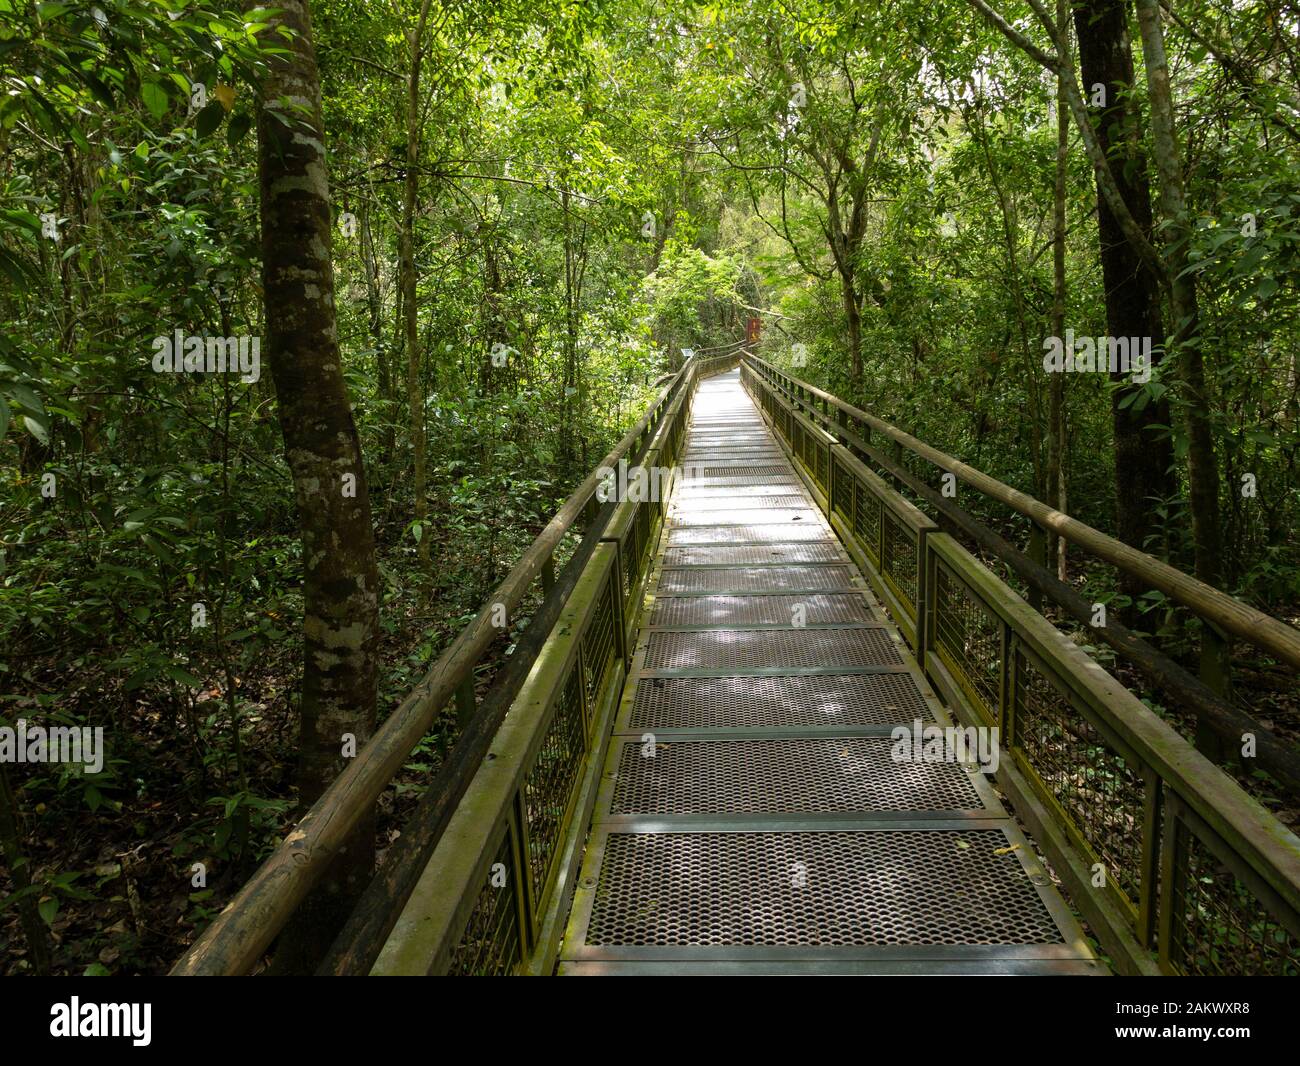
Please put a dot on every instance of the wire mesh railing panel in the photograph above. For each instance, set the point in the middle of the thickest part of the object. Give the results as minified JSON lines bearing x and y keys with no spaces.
{"x":490,"y":945}
{"x":968,"y":639}
{"x":841,"y":490}
{"x":1096,"y":790}
{"x":643,"y":528}
{"x":1217,"y":926}
{"x":866,"y":521}
{"x":630,"y":553}
{"x":599,"y":645}
{"x":900,"y":559}
{"x":548,"y":787}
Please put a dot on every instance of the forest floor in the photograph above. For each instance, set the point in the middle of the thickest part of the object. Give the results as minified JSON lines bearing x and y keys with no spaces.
{"x":120,"y":863}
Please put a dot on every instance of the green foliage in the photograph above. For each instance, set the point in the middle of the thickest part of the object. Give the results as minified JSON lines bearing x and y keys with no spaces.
{"x":598,"y":186}
{"x":690,"y":293}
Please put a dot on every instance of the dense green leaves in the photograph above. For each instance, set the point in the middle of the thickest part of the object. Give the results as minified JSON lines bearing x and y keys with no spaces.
{"x":598,"y":186}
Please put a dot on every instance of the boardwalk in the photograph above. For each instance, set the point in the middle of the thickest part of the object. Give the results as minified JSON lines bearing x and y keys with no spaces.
{"x":699,"y":773}
{"x":751,"y":818}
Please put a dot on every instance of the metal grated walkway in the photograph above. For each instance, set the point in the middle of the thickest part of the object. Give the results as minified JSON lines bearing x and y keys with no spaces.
{"x":751,"y":818}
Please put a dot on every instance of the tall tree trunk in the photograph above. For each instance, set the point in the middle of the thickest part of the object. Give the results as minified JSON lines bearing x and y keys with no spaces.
{"x":340,"y":581}
{"x":406,"y":266}
{"x":1202,"y":470}
{"x":845,"y":242}
{"x":579,"y":277}
{"x":493,"y":319}
{"x":570,"y":428}
{"x":1011,"y":238}
{"x":1056,"y":386}
{"x":1143,"y":452}
{"x":375,"y":316}
{"x":853,"y":315}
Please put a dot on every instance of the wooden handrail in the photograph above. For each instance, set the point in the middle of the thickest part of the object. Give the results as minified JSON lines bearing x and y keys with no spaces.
{"x":1256,"y":833}
{"x":1232,"y":615}
{"x":240,"y":935}
{"x":1260,"y":850}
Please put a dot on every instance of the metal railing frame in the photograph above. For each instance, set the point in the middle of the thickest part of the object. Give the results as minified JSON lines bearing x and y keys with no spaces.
{"x":1186,"y":802}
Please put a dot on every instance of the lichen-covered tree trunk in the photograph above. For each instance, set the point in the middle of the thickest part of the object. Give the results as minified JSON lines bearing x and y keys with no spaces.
{"x":340,"y":581}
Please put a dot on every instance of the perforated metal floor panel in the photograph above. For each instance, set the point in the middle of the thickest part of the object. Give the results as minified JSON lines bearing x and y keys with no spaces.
{"x":691,"y":516}
{"x":770,"y":650}
{"x":752,"y":555}
{"x":725,"y":611}
{"x":731,"y":504}
{"x":722,"y":447}
{"x":730,"y":467}
{"x":687,"y":493}
{"x":756,"y":814}
{"x":841,"y":701}
{"x":696,"y":454}
{"x":815,"y":888}
{"x":714,"y":448}
{"x":766,"y":483}
{"x":781,"y":776}
{"x":706,"y":580}
{"x":787,"y":532}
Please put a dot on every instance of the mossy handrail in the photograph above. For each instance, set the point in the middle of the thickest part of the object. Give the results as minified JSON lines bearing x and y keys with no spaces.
{"x":246,"y":928}
{"x":1265,"y":632}
{"x":1157,"y":847}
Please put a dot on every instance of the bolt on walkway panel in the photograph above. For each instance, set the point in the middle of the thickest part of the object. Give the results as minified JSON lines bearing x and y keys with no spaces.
{"x":753,"y":816}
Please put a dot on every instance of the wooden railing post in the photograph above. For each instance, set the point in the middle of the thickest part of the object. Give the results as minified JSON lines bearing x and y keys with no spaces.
{"x":1004,"y":716}
{"x":1216,"y":672}
{"x":466,"y":701}
{"x":922,"y":597}
{"x":1148,"y":897}
{"x":1038,"y":553}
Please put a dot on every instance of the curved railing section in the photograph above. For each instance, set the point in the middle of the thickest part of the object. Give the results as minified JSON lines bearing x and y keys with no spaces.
{"x":1175,"y":867}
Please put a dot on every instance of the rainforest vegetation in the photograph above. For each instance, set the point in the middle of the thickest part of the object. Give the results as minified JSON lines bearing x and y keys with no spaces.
{"x":451,"y":249}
